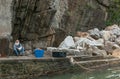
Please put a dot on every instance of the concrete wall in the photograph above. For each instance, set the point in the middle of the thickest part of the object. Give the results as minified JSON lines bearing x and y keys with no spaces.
{"x":32,"y":68}
{"x":5,"y":16}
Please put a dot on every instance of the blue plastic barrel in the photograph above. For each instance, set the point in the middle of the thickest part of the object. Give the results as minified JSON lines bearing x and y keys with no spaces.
{"x":38,"y":53}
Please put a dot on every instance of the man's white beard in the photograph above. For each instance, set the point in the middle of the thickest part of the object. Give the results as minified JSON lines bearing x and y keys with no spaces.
{"x":17,"y":43}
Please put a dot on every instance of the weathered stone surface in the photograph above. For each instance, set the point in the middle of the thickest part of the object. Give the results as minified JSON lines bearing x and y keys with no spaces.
{"x":28,"y":52}
{"x":110,"y":46}
{"x":114,"y":32}
{"x":33,"y":18}
{"x":5,"y":26}
{"x":118,"y":40}
{"x":4,"y":46}
{"x":28,"y":45}
{"x":94,"y":51}
{"x":39,"y":44}
{"x":32,"y":22}
{"x":33,"y":68}
{"x":106,"y":35}
{"x":116,"y":53}
{"x":47,"y":22}
{"x":5,"y":17}
{"x":95,"y":33}
{"x":82,"y":34}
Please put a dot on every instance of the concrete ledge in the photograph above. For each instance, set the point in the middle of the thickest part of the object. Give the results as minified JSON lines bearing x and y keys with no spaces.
{"x":14,"y":67}
{"x":32,"y":58}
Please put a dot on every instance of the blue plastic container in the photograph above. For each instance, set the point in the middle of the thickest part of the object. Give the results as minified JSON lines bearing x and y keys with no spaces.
{"x":39,"y":53}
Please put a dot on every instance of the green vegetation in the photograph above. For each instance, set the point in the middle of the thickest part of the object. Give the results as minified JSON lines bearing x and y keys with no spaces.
{"x":114,"y":13}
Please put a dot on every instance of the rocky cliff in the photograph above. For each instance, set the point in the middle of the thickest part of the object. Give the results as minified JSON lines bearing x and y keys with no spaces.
{"x":47,"y":22}
{"x":5,"y":17}
{"x":41,"y":23}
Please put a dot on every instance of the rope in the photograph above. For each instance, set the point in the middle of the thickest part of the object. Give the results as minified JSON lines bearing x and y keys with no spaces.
{"x":83,"y":67}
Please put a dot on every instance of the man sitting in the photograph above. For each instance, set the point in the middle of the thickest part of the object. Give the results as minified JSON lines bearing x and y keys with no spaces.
{"x":18,"y":48}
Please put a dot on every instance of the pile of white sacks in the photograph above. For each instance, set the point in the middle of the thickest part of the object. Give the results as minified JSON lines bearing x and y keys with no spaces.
{"x":92,"y":43}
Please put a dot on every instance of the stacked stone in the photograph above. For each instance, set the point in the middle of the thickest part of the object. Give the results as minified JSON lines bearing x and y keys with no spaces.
{"x":94,"y":42}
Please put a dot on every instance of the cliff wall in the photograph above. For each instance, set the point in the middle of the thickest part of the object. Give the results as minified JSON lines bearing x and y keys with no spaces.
{"x":47,"y":22}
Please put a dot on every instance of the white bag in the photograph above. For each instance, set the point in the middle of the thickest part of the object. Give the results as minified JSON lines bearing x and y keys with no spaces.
{"x":67,"y":43}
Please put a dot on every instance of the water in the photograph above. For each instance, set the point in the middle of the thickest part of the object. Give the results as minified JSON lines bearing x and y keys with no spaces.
{"x":113,"y":73}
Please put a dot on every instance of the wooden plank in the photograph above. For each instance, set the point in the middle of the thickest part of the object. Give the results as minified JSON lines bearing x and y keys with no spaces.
{"x":99,"y":60}
{"x":86,"y":57}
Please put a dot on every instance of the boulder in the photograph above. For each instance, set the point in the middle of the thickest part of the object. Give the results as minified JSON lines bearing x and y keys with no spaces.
{"x":110,"y":46}
{"x":100,"y":40}
{"x":82,"y":34}
{"x":95,"y":51}
{"x":98,"y":52}
{"x":89,"y":51}
{"x":106,"y":35}
{"x":94,"y":33}
{"x":114,"y":29}
{"x":117,"y":40}
{"x":84,"y":41}
{"x":116,"y":53}
{"x":103,"y":53}
{"x":114,"y":26}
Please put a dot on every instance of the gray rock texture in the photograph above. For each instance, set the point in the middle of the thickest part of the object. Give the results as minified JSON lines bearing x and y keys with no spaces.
{"x":5,"y":26}
{"x":5,"y":17}
{"x":49,"y":21}
{"x":43,"y":23}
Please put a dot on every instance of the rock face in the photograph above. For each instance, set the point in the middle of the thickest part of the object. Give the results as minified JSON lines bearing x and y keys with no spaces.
{"x":5,"y":17}
{"x":32,"y":19}
{"x":49,"y":21}
{"x":5,"y":26}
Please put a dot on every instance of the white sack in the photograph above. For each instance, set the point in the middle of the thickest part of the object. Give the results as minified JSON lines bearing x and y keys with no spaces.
{"x":67,"y":43}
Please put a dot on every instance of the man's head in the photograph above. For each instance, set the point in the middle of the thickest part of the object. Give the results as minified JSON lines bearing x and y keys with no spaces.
{"x":17,"y":42}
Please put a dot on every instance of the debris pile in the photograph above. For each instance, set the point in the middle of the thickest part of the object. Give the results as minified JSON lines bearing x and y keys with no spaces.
{"x":95,"y":42}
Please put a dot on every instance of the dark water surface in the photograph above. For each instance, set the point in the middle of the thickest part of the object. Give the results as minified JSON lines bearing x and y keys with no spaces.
{"x":113,"y":73}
